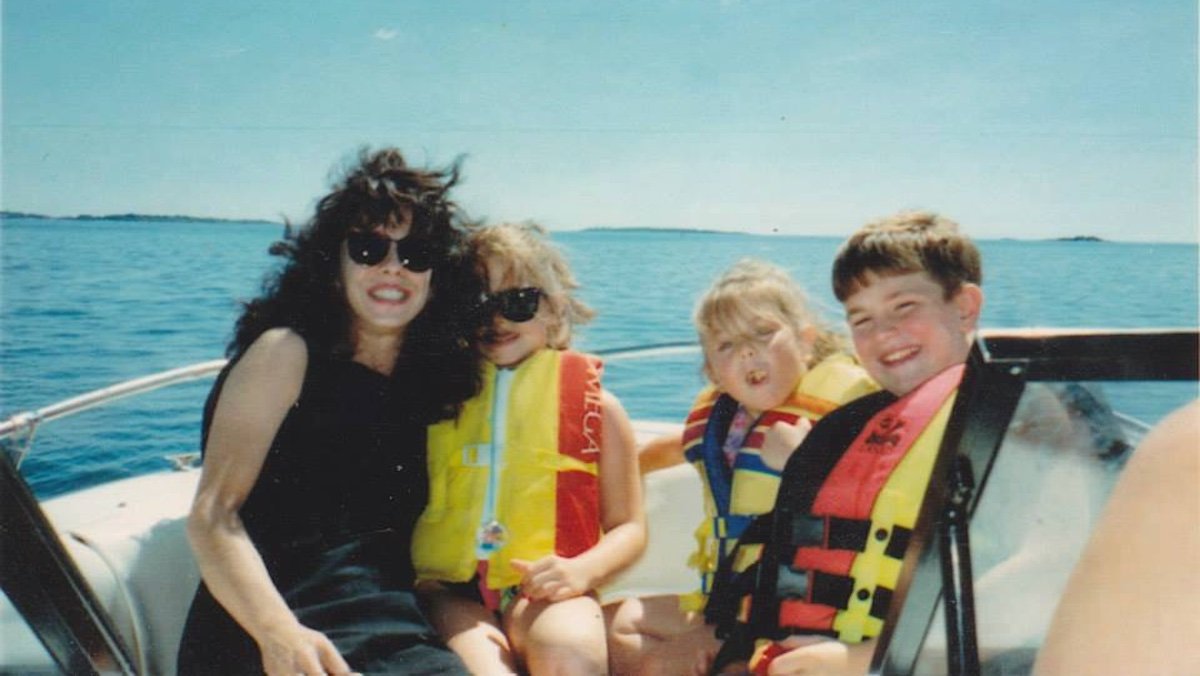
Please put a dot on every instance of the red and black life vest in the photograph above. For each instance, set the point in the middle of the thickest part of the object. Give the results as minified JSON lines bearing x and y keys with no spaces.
{"x":847,"y":502}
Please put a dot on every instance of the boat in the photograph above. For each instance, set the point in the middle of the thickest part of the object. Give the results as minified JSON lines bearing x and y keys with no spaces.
{"x":99,"y":580}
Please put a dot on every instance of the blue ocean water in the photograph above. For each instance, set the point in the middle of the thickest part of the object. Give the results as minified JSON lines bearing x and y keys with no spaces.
{"x":85,"y":304}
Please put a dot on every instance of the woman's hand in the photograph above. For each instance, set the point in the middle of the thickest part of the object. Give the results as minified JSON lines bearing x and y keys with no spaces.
{"x":781,"y":440}
{"x":552,"y":578}
{"x":296,"y":649}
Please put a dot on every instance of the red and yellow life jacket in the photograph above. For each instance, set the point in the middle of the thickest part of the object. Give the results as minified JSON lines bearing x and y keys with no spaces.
{"x":839,"y":537}
{"x":836,"y":540}
{"x":733,"y":496}
{"x":545,"y":489}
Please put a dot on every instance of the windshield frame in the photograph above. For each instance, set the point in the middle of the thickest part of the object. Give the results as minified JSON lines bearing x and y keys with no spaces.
{"x":999,"y":367}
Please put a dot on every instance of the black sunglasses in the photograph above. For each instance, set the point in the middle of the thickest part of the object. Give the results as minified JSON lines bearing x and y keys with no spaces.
{"x":515,"y":305}
{"x":366,"y":248}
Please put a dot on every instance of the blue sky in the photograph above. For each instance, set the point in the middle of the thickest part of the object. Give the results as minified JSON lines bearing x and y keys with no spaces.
{"x":1017,"y":118}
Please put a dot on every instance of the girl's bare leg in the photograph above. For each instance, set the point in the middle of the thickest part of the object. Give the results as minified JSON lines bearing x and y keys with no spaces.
{"x":560,"y":637}
{"x":472,"y":632}
{"x":651,"y":635}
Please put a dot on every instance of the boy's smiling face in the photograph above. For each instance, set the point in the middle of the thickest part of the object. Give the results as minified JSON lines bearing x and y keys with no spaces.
{"x":906,"y":331}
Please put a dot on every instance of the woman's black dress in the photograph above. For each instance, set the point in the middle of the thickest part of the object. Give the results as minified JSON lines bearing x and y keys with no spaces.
{"x":332,"y":515}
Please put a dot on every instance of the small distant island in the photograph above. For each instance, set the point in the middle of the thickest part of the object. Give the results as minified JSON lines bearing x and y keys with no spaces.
{"x":1079,"y":238}
{"x":134,"y":217}
{"x":677,"y":231}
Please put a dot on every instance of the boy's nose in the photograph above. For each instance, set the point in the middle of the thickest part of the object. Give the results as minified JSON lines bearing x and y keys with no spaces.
{"x":885,"y":325}
{"x":885,"y":333}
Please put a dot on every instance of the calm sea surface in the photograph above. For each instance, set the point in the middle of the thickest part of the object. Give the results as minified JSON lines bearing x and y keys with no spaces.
{"x":88,"y":304}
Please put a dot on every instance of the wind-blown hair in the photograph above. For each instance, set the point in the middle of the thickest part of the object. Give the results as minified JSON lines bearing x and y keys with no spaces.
{"x":909,"y":241}
{"x":438,"y":366}
{"x":528,"y":257}
{"x":754,"y":289}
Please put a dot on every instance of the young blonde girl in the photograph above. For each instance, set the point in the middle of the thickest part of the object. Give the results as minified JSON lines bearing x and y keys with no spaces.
{"x":774,"y":369}
{"x":524,"y":523}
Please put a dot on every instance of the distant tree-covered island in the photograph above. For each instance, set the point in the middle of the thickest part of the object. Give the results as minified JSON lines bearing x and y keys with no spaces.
{"x":1079,"y":238}
{"x":174,"y":218}
{"x":616,"y":229}
{"x":157,"y":218}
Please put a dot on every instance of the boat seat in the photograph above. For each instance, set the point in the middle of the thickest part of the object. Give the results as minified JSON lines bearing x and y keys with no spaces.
{"x":154,"y":578}
{"x":138,"y":561}
{"x":674,"y":505}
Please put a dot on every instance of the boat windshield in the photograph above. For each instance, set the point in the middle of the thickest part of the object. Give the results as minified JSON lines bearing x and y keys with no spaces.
{"x":1033,"y":451}
{"x":1055,"y":468}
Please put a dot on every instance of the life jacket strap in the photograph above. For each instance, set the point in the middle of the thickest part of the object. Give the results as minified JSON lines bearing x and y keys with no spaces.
{"x":836,"y":533}
{"x":727,"y":588}
{"x":730,"y":526}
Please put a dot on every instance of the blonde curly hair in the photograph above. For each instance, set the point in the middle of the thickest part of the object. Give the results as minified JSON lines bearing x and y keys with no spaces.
{"x":528,"y":258}
{"x":752,"y":289}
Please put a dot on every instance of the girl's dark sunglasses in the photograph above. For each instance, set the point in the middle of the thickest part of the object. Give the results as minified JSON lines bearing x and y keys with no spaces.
{"x":515,"y":305}
{"x":366,"y":248}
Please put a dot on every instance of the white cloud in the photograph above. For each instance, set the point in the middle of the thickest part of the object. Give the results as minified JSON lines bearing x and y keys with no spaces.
{"x":385,"y":33}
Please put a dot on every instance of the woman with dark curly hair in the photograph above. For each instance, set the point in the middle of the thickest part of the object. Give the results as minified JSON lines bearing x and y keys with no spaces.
{"x":314,"y":436}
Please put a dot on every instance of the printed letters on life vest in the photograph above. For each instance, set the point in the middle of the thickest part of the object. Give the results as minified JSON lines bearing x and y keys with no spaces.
{"x":536,"y":473}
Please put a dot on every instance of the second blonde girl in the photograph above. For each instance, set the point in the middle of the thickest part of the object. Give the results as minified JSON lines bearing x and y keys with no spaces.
{"x":774,"y":369}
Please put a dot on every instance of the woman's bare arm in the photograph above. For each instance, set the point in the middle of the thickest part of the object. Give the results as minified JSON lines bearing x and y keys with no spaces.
{"x":252,"y":404}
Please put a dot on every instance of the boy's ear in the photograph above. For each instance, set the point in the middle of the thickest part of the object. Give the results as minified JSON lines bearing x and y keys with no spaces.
{"x":808,"y":341}
{"x":969,"y":303}
{"x":808,"y":334}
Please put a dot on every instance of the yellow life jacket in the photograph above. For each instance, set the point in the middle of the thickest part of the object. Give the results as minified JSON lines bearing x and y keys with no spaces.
{"x":529,"y":492}
{"x":733,"y":496}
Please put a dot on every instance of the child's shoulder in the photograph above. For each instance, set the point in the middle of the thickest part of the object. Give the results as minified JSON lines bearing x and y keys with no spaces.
{"x":839,"y":378}
{"x":706,"y":396}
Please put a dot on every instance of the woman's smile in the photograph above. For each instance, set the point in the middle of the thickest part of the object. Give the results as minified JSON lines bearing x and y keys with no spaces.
{"x":391,"y":294}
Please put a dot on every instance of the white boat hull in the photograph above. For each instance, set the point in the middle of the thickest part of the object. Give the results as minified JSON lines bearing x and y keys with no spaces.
{"x":128,"y":539}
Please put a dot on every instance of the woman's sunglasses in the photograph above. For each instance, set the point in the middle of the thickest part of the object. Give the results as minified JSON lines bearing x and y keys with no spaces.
{"x":370,"y":249}
{"x":515,"y":305}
